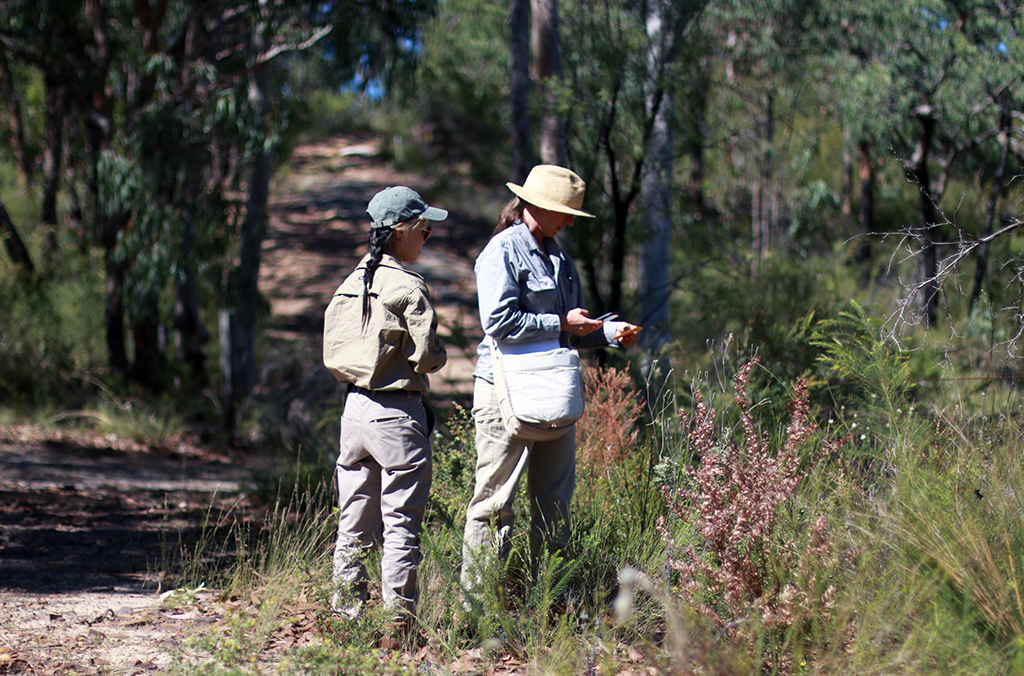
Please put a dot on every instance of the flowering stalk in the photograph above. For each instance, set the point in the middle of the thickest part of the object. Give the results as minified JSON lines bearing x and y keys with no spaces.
{"x":728,"y":572}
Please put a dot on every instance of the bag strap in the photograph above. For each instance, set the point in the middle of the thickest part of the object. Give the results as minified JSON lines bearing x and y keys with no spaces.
{"x":493,"y":344}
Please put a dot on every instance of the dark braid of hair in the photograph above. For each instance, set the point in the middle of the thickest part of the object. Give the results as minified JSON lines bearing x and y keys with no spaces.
{"x":379,"y":239}
{"x":512,"y":212}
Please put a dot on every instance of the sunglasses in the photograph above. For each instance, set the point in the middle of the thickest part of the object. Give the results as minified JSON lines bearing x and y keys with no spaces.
{"x":421,"y":224}
{"x":424,"y":226}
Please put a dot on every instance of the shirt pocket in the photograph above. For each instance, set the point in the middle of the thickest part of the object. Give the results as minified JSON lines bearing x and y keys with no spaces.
{"x":541,"y":294}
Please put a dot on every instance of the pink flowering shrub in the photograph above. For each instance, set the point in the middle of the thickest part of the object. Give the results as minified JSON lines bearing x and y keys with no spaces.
{"x":737,"y":565}
{"x":607,"y":431}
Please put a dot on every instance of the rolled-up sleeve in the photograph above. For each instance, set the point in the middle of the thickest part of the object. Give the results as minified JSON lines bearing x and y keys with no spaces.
{"x":498,"y":290}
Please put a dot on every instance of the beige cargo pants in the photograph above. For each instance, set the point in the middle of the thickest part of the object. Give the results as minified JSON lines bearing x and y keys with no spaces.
{"x":502,"y":460}
{"x":384,"y":474}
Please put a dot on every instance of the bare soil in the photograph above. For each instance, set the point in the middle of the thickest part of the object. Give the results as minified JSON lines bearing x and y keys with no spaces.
{"x":89,"y":522}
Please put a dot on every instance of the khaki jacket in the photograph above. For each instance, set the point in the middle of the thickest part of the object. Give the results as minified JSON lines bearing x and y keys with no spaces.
{"x":399,"y":346}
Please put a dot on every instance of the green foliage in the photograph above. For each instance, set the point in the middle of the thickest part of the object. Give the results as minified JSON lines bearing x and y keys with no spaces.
{"x":325,"y":114}
{"x":729,"y":311}
{"x":462,"y":82}
{"x":853,"y":349}
{"x":35,"y":354}
{"x":454,"y":467}
{"x":51,"y":336}
{"x":959,"y":510}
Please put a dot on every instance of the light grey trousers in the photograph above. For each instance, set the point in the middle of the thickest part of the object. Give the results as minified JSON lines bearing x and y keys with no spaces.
{"x":384,"y":474}
{"x":550,"y":468}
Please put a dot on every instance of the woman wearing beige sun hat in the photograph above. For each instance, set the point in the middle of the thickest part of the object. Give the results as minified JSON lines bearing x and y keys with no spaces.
{"x":530,"y":299}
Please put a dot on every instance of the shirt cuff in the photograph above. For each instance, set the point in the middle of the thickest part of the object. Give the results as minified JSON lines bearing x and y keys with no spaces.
{"x":612,"y":329}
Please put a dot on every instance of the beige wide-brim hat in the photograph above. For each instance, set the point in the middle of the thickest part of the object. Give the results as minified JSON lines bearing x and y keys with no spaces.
{"x":553,"y":188}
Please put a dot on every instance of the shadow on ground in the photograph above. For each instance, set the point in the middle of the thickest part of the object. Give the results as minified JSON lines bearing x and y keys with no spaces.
{"x":85,"y":519}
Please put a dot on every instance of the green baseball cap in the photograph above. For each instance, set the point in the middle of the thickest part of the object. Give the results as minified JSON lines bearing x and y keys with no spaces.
{"x":398,"y":204}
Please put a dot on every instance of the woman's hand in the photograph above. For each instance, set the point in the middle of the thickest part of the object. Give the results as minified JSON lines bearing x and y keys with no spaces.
{"x":625,"y":334}
{"x":579,"y":323}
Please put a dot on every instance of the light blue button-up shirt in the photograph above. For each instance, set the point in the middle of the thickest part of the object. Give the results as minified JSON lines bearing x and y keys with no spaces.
{"x":523,"y":292}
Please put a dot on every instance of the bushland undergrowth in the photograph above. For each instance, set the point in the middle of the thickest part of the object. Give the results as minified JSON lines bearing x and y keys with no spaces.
{"x":882,"y":535}
{"x":729,"y":539}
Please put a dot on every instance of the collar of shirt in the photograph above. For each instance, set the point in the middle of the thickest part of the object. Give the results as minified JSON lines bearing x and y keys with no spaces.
{"x":389,"y":261}
{"x":522,"y":232}
{"x":555,"y":257}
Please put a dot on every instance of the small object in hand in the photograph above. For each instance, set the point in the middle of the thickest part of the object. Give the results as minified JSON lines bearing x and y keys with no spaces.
{"x":608,"y":316}
{"x":629,"y":332}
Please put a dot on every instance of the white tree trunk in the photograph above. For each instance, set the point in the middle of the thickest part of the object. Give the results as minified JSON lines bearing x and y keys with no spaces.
{"x":653,"y":284}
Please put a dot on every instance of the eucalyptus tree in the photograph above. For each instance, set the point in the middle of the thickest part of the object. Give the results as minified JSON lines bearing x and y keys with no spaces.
{"x":933,"y":83}
{"x":547,"y":59}
{"x":73,"y":43}
{"x":15,"y":127}
{"x":463,"y":87}
{"x":519,"y":88}
{"x":140,"y":79}
{"x":853,"y":41}
{"x":655,"y":249}
{"x":14,"y":244}
{"x":619,"y":77}
{"x":168,"y":98}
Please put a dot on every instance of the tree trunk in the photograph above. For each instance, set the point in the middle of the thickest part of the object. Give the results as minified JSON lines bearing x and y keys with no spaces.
{"x":846,"y":198}
{"x":763,"y":203}
{"x":866,"y":213}
{"x":14,"y":244}
{"x":929,"y":220}
{"x":99,"y":122}
{"x":149,"y":366}
{"x":548,"y":69}
{"x":653,"y":286}
{"x":191,"y":333}
{"x":9,"y":90}
{"x":253,"y":228}
{"x":53,"y":155}
{"x":1005,"y":122}
{"x":519,"y":94}
{"x":617,"y":254}
{"x":116,"y":273}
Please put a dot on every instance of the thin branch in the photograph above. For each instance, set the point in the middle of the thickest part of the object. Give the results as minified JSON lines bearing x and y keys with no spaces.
{"x":306,"y":44}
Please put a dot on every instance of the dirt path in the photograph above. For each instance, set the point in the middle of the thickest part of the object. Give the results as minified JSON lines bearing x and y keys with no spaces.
{"x":87,"y":522}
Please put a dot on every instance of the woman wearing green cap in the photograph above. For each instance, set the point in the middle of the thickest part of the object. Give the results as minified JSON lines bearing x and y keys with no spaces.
{"x":380,"y":338}
{"x":530,"y":298}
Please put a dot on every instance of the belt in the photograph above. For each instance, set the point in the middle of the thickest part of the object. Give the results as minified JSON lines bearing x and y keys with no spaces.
{"x":409,"y":394}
